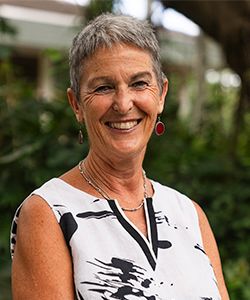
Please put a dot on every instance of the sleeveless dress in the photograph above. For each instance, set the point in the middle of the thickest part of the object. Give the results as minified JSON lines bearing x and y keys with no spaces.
{"x":112,"y":259}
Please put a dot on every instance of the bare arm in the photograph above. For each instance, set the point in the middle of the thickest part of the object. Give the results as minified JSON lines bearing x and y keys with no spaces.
{"x":212,"y":251}
{"x":42,"y":266}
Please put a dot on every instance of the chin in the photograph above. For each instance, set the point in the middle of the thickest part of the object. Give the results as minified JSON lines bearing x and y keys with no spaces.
{"x":127,"y":150}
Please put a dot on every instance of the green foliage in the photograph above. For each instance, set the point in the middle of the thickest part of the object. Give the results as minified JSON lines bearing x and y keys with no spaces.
{"x":38,"y":140}
{"x":6,"y":28}
{"x":96,"y":7}
{"x":237,"y":275}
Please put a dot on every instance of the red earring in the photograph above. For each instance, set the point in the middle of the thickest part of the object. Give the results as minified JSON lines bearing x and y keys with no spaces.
{"x":159,"y":127}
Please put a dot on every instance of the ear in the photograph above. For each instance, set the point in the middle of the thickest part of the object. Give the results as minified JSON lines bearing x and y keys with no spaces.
{"x":75,"y":105}
{"x":162,"y":96}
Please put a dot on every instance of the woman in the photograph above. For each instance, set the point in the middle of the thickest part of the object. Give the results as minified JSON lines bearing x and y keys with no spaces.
{"x":121,"y":235}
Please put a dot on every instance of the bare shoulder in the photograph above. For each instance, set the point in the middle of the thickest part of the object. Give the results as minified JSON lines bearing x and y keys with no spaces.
{"x":33,"y":207}
{"x":36,"y":219}
{"x":210,"y":247}
{"x":41,"y":255}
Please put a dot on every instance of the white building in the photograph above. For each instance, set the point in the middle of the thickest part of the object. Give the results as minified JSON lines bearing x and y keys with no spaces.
{"x":40,"y":25}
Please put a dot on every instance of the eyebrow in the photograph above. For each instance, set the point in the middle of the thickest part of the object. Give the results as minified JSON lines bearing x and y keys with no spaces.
{"x":110,"y":79}
{"x":140,"y":75}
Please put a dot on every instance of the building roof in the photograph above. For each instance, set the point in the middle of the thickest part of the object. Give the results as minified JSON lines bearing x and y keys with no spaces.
{"x":41,"y":24}
{"x":47,"y":5}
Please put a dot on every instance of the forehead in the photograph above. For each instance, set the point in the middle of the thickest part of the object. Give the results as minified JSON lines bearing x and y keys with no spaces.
{"x":120,"y":57}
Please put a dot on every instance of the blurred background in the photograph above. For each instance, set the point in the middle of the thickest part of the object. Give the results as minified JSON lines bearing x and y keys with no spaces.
{"x":205,"y":152}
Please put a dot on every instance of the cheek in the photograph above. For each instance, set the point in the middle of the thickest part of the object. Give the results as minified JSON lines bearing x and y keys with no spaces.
{"x":93,"y":115}
{"x":95,"y":107}
{"x":149,"y":101}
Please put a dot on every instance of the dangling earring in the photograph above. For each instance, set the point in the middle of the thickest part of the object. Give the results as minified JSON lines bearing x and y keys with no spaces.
{"x":80,"y":136}
{"x":159,"y":127}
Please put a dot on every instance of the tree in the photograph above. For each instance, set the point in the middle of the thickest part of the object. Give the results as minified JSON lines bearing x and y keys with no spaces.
{"x":228,"y":22}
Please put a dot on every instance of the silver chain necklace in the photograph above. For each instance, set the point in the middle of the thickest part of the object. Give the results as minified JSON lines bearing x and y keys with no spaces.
{"x":91,"y":182}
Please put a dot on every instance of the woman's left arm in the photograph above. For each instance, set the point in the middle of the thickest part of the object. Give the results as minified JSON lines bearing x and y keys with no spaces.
{"x":212,"y":251}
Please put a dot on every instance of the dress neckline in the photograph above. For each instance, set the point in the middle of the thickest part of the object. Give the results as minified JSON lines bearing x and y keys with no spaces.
{"x":93,"y":196}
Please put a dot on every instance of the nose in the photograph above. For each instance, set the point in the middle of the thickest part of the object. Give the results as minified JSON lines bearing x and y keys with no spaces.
{"x":123,"y":101}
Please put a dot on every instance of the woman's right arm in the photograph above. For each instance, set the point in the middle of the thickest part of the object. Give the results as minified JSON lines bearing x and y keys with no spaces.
{"x":42,"y":265}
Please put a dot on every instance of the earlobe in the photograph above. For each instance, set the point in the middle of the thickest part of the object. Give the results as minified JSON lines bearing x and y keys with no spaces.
{"x":74,"y":105}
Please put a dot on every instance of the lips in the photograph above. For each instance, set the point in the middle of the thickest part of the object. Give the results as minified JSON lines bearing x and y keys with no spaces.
{"x":124,"y":125}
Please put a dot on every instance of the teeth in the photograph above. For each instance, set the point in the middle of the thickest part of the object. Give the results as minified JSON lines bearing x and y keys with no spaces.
{"x":123,"y":125}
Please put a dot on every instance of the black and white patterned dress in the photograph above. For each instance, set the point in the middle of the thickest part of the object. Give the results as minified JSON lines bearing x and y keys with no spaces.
{"x":113,"y":260}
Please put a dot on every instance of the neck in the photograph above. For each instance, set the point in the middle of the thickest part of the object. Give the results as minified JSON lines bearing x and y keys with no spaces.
{"x":121,"y":179}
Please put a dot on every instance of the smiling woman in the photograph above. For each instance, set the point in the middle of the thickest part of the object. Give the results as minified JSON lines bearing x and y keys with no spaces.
{"x":103,"y":230}
{"x":119,"y":101}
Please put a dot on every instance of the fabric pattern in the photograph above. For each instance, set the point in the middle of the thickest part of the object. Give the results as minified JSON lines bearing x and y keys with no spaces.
{"x":112,"y":259}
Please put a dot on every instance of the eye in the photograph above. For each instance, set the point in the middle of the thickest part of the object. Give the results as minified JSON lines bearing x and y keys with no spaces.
{"x":140,"y":85}
{"x":103,"y":89}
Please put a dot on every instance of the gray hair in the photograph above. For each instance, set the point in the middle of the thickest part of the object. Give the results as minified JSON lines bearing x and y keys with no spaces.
{"x":104,"y":31}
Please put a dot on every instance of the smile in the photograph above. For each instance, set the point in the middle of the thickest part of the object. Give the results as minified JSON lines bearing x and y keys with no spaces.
{"x":123,"y":125}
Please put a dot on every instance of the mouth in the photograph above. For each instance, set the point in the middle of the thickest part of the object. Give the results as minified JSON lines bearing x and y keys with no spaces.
{"x":124,"y":125}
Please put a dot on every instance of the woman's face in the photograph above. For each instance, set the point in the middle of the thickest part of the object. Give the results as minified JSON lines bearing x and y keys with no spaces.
{"x":119,"y":100}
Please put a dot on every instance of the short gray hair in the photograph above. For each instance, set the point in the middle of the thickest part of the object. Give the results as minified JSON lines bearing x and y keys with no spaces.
{"x":104,"y":31}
